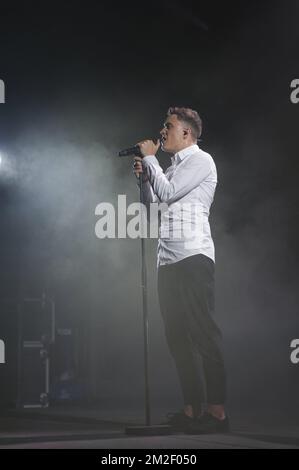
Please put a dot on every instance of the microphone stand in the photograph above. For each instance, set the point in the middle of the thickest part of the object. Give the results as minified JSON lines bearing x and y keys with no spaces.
{"x":148,"y":429}
{"x":145,"y":314}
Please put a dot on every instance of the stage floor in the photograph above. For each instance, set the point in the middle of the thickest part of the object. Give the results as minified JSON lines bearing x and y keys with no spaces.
{"x":93,"y":428}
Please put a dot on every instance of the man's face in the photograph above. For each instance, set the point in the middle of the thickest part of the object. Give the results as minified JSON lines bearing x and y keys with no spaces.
{"x":175,"y":135}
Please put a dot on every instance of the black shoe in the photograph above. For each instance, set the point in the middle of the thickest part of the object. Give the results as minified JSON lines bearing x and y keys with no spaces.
{"x":178,"y":421}
{"x":208,"y":424}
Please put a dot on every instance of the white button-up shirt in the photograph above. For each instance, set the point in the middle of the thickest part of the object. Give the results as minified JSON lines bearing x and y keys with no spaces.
{"x":187,"y":188}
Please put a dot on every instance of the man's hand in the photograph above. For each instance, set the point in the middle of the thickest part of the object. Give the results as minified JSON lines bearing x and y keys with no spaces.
{"x":148,"y":147}
{"x":137,"y":168}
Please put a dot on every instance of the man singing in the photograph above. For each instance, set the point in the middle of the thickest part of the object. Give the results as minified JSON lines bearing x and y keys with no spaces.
{"x":186,"y":266}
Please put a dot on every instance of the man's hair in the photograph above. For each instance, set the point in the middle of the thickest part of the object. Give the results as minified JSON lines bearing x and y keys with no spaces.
{"x":190,"y":117}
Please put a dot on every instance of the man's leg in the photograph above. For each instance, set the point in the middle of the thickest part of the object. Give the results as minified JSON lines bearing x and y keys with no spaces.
{"x":178,"y":338}
{"x":196,"y":286}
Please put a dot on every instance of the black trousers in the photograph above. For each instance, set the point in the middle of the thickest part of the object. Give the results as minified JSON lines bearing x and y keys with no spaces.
{"x":186,"y":296}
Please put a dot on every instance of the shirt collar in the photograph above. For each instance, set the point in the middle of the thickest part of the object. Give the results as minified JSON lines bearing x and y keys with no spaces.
{"x":179,"y":156}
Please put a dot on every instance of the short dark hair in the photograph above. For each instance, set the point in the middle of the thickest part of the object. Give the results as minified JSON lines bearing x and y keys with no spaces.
{"x":189,"y":116}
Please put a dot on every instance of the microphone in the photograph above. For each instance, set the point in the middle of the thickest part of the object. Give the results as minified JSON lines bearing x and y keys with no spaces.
{"x":130,"y":151}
